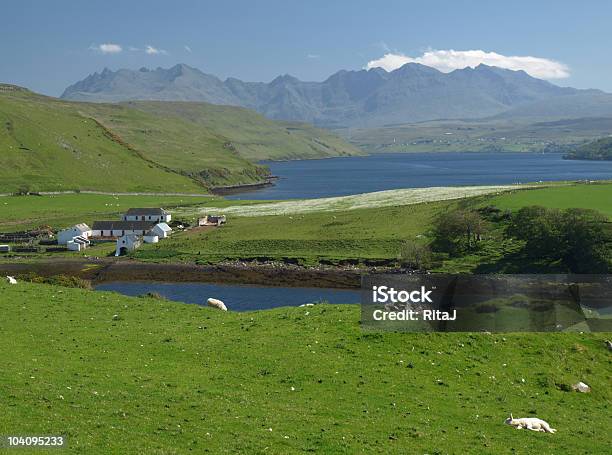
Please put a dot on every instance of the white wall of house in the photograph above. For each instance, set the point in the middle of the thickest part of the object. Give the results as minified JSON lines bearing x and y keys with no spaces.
{"x":151,"y":238}
{"x":117,"y":232}
{"x":66,"y":235}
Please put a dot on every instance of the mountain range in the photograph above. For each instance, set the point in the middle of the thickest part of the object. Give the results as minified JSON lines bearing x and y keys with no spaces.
{"x":364,"y":98}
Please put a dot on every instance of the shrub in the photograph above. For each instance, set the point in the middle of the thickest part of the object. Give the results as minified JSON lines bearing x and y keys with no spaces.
{"x":414,"y":255}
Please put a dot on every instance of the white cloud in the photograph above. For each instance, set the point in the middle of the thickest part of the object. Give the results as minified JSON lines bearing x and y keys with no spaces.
{"x":449,"y":60}
{"x":313,"y":56}
{"x":187,"y":48}
{"x":154,"y":51}
{"x":107,"y":48}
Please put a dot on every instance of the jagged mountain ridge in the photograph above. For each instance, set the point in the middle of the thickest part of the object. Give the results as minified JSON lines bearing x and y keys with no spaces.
{"x":363,"y":98}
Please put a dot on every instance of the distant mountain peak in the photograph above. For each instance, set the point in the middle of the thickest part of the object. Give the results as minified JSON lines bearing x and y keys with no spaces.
{"x":348,"y":98}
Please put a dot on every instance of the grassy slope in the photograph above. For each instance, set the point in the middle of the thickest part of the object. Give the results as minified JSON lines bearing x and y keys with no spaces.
{"x":253,"y":136}
{"x":174,"y":378}
{"x":46,"y":145}
{"x":50,"y":144}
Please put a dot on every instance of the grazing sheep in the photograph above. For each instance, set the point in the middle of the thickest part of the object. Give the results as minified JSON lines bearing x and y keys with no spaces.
{"x":11,"y":280}
{"x":529,"y":423}
{"x":609,"y":345}
{"x":216,"y":304}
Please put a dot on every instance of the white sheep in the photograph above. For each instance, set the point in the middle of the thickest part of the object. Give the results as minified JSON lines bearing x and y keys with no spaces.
{"x":11,"y":280}
{"x":529,"y":423}
{"x":216,"y":304}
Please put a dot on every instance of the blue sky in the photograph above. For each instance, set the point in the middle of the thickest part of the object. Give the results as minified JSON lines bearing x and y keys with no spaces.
{"x":47,"y":45}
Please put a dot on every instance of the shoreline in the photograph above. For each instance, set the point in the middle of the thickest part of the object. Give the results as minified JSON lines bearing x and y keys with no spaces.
{"x":102,"y":270}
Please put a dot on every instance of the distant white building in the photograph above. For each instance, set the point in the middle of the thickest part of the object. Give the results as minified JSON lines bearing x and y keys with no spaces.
{"x":126,"y":243}
{"x":78,"y":230}
{"x":120,"y":228}
{"x":162,"y":230}
{"x":157,"y":215}
{"x":212,"y":220}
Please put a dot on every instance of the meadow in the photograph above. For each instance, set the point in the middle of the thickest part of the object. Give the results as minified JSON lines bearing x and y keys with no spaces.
{"x":141,"y":375}
{"x":63,"y":210}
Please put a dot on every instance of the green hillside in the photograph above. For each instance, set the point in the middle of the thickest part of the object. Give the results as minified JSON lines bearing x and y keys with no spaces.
{"x":52,"y":145}
{"x":252,"y":135}
{"x":46,"y":144}
{"x":164,"y":377}
{"x":601,"y":149}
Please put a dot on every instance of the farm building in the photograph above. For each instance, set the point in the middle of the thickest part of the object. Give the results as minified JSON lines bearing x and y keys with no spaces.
{"x":78,"y":243}
{"x":128,"y":242}
{"x":120,"y":228}
{"x":212,"y":220}
{"x":162,"y":230}
{"x":157,"y":215}
{"x":78,"y":230}
{"x":150,"y":237}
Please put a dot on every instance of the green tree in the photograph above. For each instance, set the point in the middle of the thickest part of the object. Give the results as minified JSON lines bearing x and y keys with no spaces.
{"x":579,"y":238}
{"x":458,"y":231}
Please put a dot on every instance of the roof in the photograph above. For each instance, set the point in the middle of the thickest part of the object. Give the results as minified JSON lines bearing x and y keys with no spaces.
{"x":164,"y":227}
{"x":150,"y":234}
{"x":123,"y":225}
{"x":81,"y":227}
{"x":146,"y":211}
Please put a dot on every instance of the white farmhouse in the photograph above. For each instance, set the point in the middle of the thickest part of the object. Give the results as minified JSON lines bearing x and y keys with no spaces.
{"x":162,"y":230}
{"x":115,"y":229}
{"x":157,"y":215}
{"x":78,"y":230}
{"x":128,"y":242}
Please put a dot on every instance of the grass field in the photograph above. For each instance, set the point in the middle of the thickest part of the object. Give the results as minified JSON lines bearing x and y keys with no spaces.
{"x":596,"y":196}
{"x":174,"y":378}
{"x":63,"y":210}
{"x":372,"y":233}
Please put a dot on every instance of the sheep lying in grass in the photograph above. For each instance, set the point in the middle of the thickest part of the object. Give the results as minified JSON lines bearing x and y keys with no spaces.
{"x":11,"y":280}
{"x":215,"y":303}
{"x":529,"y":423}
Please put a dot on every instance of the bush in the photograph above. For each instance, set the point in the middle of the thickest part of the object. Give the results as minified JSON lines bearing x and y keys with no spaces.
{"x":415,"y":255}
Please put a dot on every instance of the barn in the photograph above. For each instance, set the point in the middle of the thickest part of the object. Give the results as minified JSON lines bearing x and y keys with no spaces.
{"x":158,"y":215}
{"x":114,"y":229}
{"x":78,"y":230}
